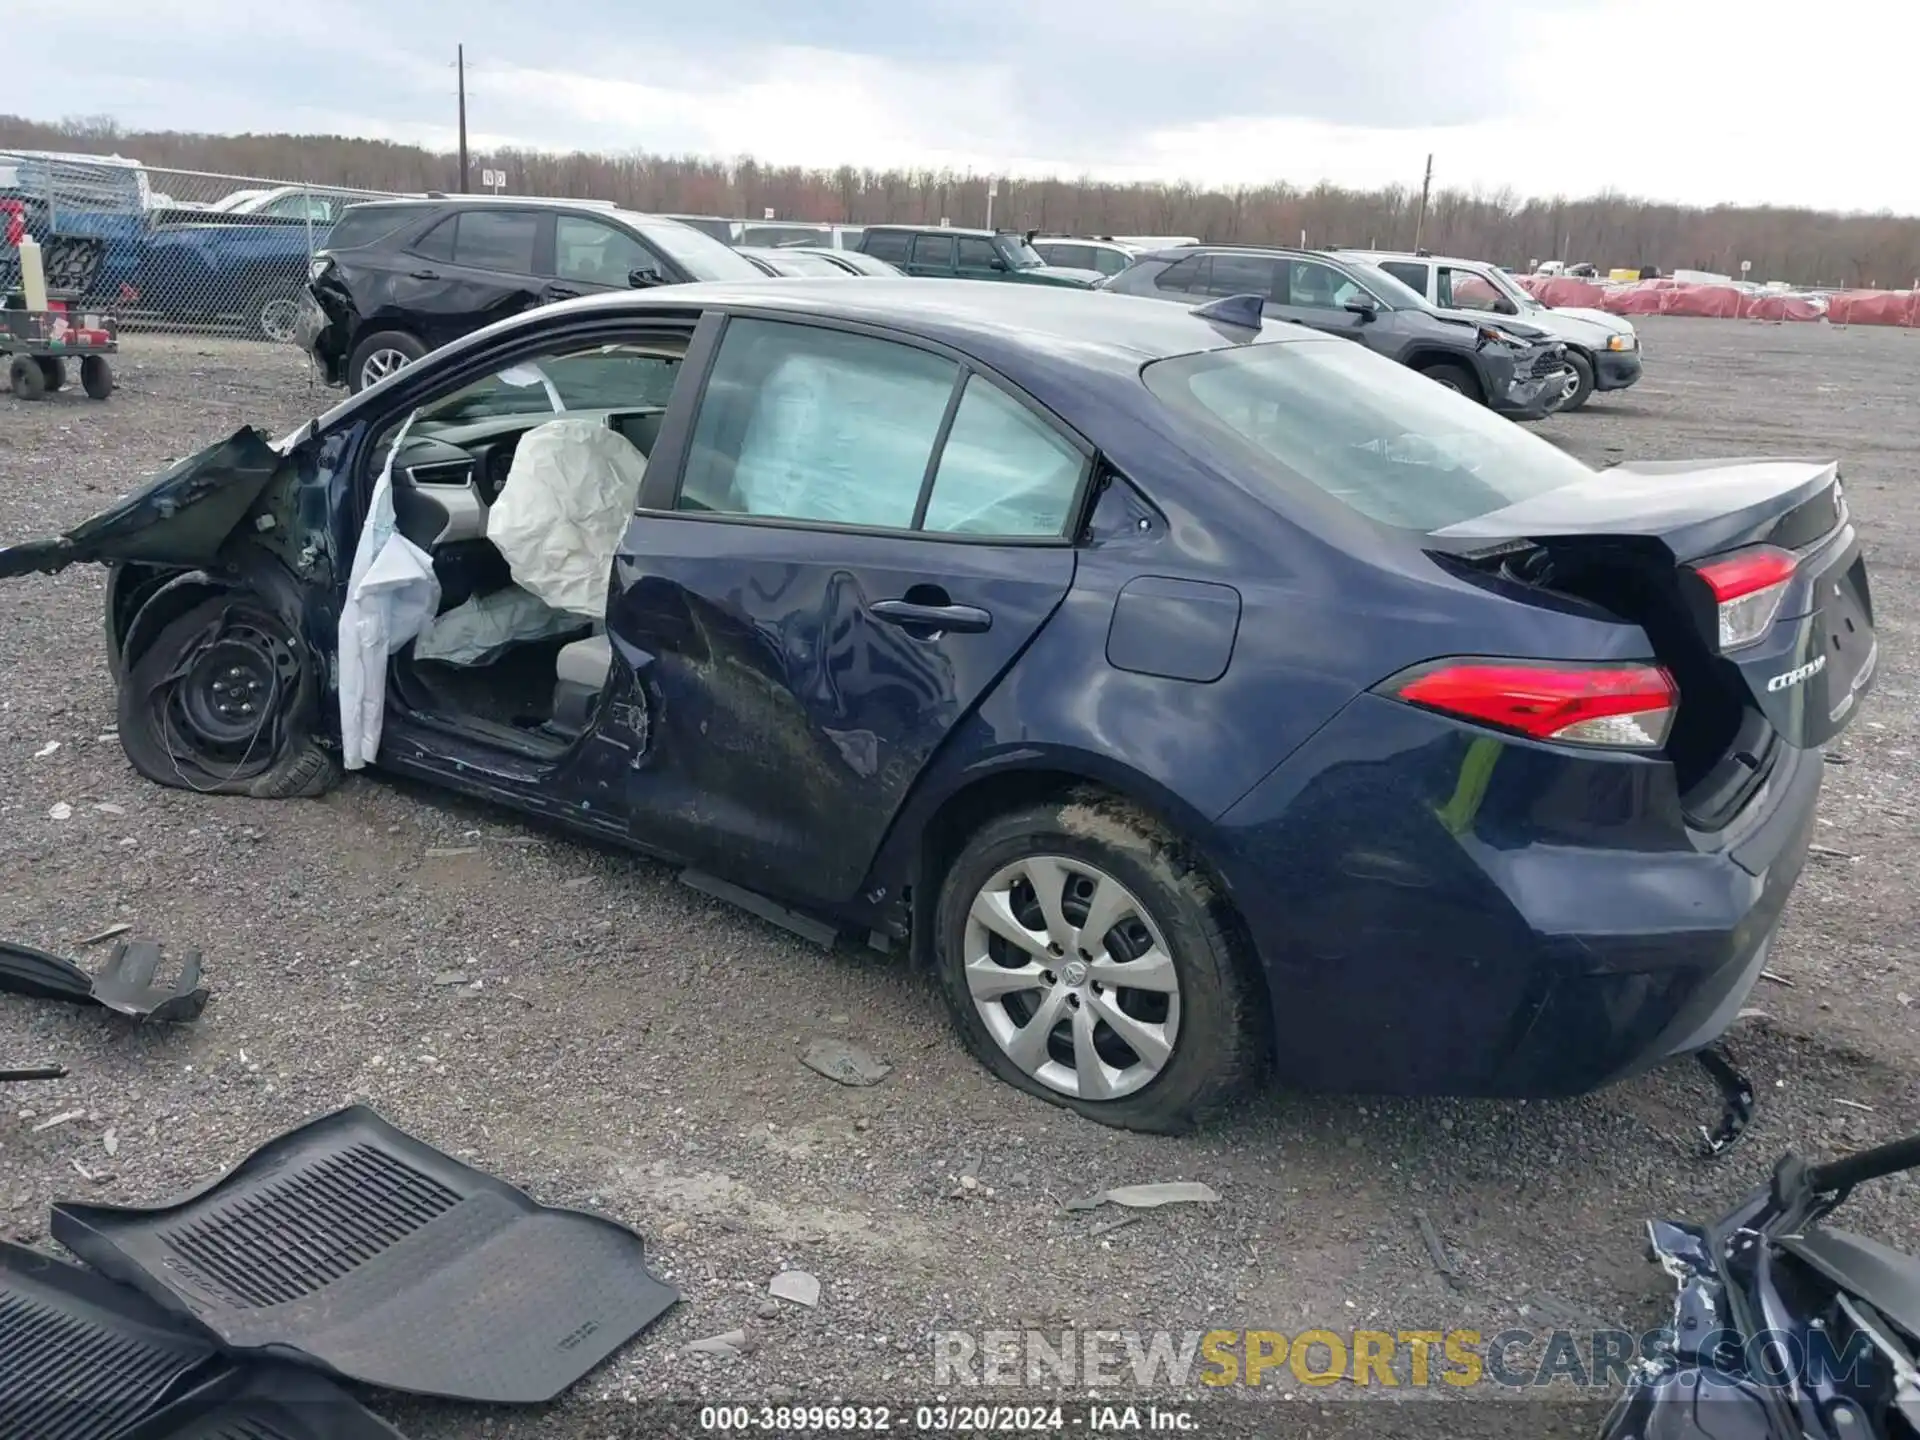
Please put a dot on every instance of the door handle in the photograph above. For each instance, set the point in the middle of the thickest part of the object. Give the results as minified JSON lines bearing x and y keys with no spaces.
{"x":965,"y":619}
{"x":424,"y":275}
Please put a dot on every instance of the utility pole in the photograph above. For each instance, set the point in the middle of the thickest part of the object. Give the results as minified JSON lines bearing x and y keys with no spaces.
{"x":461,"y":61}
{"x":1420,"y":221}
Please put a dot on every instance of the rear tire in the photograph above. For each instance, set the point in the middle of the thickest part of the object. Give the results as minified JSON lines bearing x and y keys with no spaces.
{"x":1171,"y":1050}
{"x":96,"y":377}
{"x":1455,"y":378}
{"x":54,"y":367}
{"x":273,"y":312}
{"x":379,"y":355}
{"x":222,"y":702}
{"x":1583,"y":384}
{"x":28,"y":380}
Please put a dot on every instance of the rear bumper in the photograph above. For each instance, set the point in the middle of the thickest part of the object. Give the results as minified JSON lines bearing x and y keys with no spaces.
{"x":1615,"y":369}
{"x":323,"y":337}
{"x":1462,"y":914}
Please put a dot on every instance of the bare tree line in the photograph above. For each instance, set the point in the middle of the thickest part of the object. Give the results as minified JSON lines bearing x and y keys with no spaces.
{"x":1806,"y":247}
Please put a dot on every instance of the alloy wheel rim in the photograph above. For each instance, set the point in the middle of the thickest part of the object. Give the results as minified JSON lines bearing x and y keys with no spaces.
{"x":1072,"y":977}
{"x":380,"y":364}
{"x":1572,"y":386}
{"x":278,"y":319}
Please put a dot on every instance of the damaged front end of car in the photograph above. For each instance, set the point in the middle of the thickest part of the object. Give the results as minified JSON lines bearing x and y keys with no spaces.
{"x":219,"y":616}
{"x":1781,"y":1328}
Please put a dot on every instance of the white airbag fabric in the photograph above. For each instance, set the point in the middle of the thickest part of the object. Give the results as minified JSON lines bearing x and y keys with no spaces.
{"x":391,"y":596}
{"x":573,"y":487}
{"x":481,"y":630}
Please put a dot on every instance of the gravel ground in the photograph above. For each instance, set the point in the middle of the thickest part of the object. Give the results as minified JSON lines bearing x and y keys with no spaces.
{"x":632,"y":1047}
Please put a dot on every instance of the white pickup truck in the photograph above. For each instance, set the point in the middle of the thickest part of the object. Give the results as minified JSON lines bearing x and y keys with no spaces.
{"x":1602,"y":349}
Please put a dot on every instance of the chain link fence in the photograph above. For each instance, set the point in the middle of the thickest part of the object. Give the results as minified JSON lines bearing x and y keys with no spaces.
{"x":180,"y":249}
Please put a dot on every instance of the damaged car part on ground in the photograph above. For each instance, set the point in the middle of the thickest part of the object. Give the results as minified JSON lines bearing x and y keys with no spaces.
{"x":343,"y":1246}
{"x":1783,"y":1328}
{"x":1193,"y":692}
{"x":128,"y":984}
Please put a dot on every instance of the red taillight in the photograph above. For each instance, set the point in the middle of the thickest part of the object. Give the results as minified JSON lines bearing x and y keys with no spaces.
{"x":1747,"y":590}
{"x":1625,"y":706}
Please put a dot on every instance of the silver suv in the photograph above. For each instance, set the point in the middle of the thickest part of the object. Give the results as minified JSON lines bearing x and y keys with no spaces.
{"x":1602,"y":349}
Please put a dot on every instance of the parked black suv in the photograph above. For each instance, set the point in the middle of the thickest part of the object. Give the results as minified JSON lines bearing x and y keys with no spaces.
{"x":401,"y":277}
{"x":943,"y":252}
{"x":1514,"y":368}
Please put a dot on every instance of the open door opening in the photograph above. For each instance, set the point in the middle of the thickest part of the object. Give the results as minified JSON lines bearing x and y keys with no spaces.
{"x":518,"y":489}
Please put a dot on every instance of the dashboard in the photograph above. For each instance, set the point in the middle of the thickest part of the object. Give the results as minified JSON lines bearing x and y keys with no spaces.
{"x":448,"y":476}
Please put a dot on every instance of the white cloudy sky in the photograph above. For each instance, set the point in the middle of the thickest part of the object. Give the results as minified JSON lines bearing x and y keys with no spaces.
{"x":1695,"y":100}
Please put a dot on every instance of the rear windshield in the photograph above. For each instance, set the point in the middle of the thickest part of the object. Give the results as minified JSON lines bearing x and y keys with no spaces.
{"x":1380,"y":438}
{"x":364,"y":224}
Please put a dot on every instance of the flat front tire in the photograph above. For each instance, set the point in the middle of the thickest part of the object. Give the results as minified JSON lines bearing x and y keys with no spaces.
{"x":1086,"y":960}
{"x":222,"y":701}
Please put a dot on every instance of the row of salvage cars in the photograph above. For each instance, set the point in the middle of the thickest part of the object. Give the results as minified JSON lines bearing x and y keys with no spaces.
{"x":1206,"y":699}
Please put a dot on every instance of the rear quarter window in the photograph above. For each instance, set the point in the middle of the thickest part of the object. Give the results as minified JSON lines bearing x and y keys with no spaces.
{"x":363,"y":224}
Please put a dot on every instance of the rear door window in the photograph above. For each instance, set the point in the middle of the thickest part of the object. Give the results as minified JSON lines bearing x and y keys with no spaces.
{"x":933,"y":250}
{"x":888,"y":245}
{"x":1241,"y":275}
{"x":1078,"y":257}
{"x":1003,"y":471}
{"x":497,"y":240}
{"x":1188,"y":276}
{"x":436,"y":244}
{"x":1409,"y":273}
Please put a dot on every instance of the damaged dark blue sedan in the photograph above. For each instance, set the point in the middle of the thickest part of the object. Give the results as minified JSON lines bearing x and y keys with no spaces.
{"x":1202,"y":696}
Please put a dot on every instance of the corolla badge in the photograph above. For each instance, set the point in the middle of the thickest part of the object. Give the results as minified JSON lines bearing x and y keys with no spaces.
{"x":1793,"y":677}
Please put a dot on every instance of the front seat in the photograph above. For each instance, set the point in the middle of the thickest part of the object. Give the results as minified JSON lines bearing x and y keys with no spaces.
{"x":572,"y":488}
{"x":580,"y":673}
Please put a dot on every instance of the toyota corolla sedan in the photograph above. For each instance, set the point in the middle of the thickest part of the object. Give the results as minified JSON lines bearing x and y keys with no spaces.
{"x":1202,"y":696}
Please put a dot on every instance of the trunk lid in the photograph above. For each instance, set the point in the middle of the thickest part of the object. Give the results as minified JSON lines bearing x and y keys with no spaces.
{"x":1633,"y":540}
{"x":181,"y":517}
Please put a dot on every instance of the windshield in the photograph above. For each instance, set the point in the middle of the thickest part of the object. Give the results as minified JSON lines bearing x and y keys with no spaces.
{"x":1018,"y":254}
{"x":1380,"y":438}
{"x":1390,"y":291}
{"x":613,"y":377}
{"x":699,"y":254}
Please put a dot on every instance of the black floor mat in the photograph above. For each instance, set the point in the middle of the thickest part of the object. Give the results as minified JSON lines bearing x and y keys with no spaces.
{"x":350,"y":1246}
{"x":82,"y":1358}
{"x":266,"y":1402}
{"x":515,"y":688}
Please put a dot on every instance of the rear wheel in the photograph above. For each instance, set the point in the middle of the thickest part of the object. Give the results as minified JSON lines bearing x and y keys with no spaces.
{"x":96,"y":377}
{"x":55,"y":370}
{"x":273,"y":312}
{"x":1454,"y":377}
{"x":1086,"y":961}
{"x":222,"y":702}
{"x":379,"y":355}
{"x":28,"y":380}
